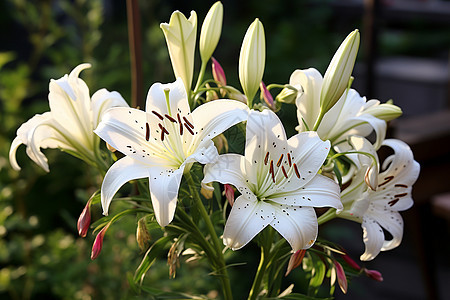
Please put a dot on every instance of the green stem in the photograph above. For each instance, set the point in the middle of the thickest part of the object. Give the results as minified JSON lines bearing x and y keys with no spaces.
{"x":327,"y":216}
{"x":222,"y":270}
{"x":264,"y":262}
{"x":200,"y":76}
{"x":322,"y":113}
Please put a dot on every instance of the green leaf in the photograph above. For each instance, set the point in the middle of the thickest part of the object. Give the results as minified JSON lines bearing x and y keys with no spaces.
{"x":295,"y":296}
{"x":155,"y":250}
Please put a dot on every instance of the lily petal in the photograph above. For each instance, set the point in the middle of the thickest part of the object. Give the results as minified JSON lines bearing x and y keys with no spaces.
{"x":164,"y":186}
{"x":373,"y":238}
{"x":102,"y":100}
{"x":298,"y":225}
{"x":320,"y":191}
{"x":122,"y":171}
{"x":308,"y":102}
{"x":247,"y":218}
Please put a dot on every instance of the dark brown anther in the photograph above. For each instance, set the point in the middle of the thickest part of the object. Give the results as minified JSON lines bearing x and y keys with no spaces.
{"x":181,"y":124}
{"x":147,"y":131}
{"x":391,"y":203}
{"x":280,"y":160}
{"x":271,"y":171}
{"x":170,"y":118}
{"x":187,"y":122}
{"x":284,"y":171}
{"x":387,"y":179}
{"x":296,"y":171}
{"x":289,"y":159}
{"x":401,"y":185}
{"x":400,"y":195}
{"x":158,"y":115}
{"x":188,"y":128}
{"x":266,"y":159}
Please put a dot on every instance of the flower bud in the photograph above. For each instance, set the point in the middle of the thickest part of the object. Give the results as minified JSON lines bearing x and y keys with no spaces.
{"x":84,"y":220}
{"x":338,"y":74}
{"x":266,"y":95}
{"x":385,"y":111}
{"x":142,"y":235}
{"x":374,"y":274}
{"x":287,"y":95}
{"x":295,"y":260}
{"x":229,"y":193}
{"x":207,"y":190}
{"x":181,"y":34}
{"x":210,"y":32}
{"x":342,"y":280}
{"x":252,"y":60}
{"x":235,"y":94}
{"x":98,"y":243}
{"x":351,"y":262}
{"x":218,"y":73}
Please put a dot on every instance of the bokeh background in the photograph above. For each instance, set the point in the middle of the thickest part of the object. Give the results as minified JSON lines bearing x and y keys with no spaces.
{"x":404,"y":56}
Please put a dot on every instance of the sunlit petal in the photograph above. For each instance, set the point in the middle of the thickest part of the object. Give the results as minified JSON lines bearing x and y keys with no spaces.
{"x":122,"y":171}
{"x":247,"y":218}
{"x":373,"y":238}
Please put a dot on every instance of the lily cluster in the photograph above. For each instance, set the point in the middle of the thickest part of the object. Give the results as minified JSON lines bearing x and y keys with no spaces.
{"x":331,"y":163}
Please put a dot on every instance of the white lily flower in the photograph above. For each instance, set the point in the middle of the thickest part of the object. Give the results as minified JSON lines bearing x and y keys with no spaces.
{"x":351,"y":115}
{"x":279,"y":183}
{"x":70,"y":122}
{"x":163,"y":142}
{"x":181,"y":35}
{"x":380,"y":209}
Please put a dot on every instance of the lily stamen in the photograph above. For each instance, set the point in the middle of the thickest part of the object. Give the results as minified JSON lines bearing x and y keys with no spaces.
{"x":181,"y":124}
{"x":266,"y":158}
{"x":147,"y":132}
{"x":187,"y":122}
{"x":284,"y":172}
{"x":187,"y":127}
{"x":296,"y":171}
{"x":271,"y":171}
{"x":401,"y":185}
{"x":158,"y":115}
{"x":400,"y":195}
{"x":280,"y":160}
{"x":170,"y":118}
{"x":387,"y":179}
{"x":289,"y":159}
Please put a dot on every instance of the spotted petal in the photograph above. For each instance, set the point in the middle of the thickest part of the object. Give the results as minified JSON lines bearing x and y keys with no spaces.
{"x":373,"y":238}
{"x":122,"y":171}
{"x":247,"y":218}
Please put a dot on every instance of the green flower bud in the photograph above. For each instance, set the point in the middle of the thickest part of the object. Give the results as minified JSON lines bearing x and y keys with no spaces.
{"x":339,"y":71}
{"x":181,"y":34}
{"x":211,"y":29}
{"x":287,"y":95}
{"x":252,"y":60}
{"x":385,"y":111}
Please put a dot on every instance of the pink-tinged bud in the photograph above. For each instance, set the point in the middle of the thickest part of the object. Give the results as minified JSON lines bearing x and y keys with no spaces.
{"x":218,"y":73}
{"x":84,"y":220}
{"x":374,"y":274}
{"x":266,"y":95}
{"x":342,"y":280}
{"x":98,"y":243}
{"x":295,"y":260}
{"x":351,"y":262}
{"x":229,"y":193}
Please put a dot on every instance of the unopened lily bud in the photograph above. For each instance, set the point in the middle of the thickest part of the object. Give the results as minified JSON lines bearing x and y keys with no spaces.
{"x":98,"y":243}
{"x":229,"y":193}
{"x":385,"y":111}
{"x":218,"y":73}
{"x":351,"y":262}
{"x":207,"y":190}
{"x":84,"y":220}
{"x":338,"y":74}
{"x":287,"y":95}
{"x":210,"y":32}
{"x":211,"y":94}
{"x":142,"y":235}
{"x":235,"y":94}
{"x":181,"y":34}
{"x":342,"y":279}
{"x":374,"y":274}
{"x":266,"y":95}
{"x":252,"y":60}
{"x":295,"y":260}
